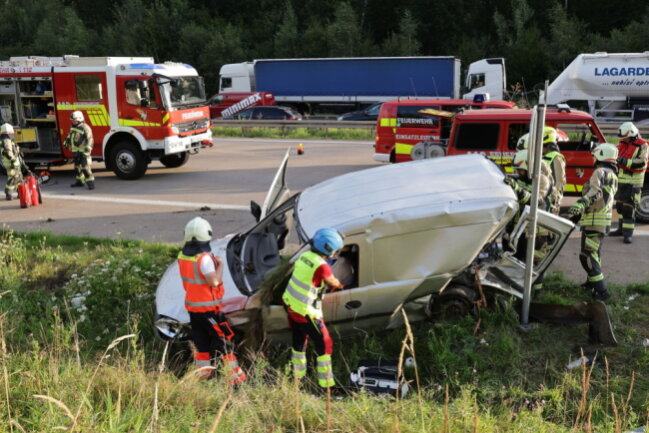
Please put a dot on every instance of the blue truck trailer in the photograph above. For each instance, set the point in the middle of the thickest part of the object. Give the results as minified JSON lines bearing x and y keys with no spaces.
{"x":358,"y":80}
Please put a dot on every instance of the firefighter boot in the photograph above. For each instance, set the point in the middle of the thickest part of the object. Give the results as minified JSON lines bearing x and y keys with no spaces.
{"x":203,"y":364}
{"x":600,"y":292}
{"x":234,"y":374}
{"x":91,"y":184}
{"x":627,"y":239}
{"x":76,"y":184}
{"x":8,"y":196}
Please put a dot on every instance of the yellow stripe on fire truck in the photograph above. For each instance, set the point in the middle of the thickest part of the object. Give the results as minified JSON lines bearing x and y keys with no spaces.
{"x":165,"y":119}
{"x":402,"y":148}
{"x":96,"y":114}
{"x":131,"y":122}
{"x":387,"y":121}
{"x":571,"y":187}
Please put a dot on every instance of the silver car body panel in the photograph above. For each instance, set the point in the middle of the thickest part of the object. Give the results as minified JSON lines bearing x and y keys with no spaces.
{"x":413,"y":226}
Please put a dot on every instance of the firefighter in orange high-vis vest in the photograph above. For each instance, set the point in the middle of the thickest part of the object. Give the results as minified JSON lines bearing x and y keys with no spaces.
{"x":201,"y":274}
{"x":302,"y":298}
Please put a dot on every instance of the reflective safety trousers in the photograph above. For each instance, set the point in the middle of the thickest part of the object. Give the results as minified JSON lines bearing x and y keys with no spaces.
{"x":199,"y":295}
{"x":300,"y":294}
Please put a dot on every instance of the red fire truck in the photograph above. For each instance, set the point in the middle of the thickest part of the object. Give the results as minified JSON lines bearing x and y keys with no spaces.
{"x":138,"y":110}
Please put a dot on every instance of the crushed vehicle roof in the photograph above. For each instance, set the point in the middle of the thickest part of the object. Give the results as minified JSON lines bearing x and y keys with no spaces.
{"x":451,"y":187}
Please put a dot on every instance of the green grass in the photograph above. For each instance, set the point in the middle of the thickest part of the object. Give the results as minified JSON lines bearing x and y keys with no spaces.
{"x":295,"y":133}
{"x":77,"y":351}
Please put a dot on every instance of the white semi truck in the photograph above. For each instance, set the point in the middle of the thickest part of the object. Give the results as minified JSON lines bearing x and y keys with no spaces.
{"x":615,"y":86}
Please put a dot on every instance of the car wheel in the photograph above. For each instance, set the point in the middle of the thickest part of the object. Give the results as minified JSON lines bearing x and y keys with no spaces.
{"x":127,"y":161}
{"x":175,"y":160}
{"x":453,"y":303}
{"x":642,"y":211}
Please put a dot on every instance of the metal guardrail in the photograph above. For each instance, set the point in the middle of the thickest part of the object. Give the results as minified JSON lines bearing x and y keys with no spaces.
{"x":607,"y":129}
{"x":309,"y":124}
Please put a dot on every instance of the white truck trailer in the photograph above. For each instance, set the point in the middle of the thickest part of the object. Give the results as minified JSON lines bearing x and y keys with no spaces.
{"x":615,"y":86}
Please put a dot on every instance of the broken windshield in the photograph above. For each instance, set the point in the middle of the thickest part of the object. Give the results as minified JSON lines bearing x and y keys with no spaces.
{"x":182,"y":91}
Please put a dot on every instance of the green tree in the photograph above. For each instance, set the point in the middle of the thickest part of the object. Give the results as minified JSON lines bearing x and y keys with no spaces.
{"x":286,"y":40}
{"x":343,"y":32}
{"x":61,"y":31}
{"x":567,"y":38}
{"x":406,"y":41}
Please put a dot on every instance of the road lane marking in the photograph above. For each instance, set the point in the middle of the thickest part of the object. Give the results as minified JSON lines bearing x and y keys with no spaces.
{"x":147,"y":202}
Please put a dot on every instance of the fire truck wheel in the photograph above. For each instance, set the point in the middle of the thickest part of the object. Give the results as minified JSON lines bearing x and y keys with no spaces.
{"x":127,"y":161}
{"x":642,"y":211}
{"x":175,"y":160}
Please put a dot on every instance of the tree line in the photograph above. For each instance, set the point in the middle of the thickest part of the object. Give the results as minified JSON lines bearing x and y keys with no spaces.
{"x":538,"y":38}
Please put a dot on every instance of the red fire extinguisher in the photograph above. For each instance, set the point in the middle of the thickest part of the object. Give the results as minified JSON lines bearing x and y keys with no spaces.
{"x":24,"y":194}
{"x":34,"y":190}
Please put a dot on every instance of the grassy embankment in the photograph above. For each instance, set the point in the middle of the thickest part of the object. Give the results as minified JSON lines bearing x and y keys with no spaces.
{"x":77,"y":352}
{"x":295,"y":133}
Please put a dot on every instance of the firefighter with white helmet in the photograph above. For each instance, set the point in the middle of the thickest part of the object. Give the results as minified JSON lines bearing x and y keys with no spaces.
{"x":594,"y":211}
{"x":11,"y":160}
{"x":633,"y":153}
{"x":80,"y":142}
{"x":201,"y":273}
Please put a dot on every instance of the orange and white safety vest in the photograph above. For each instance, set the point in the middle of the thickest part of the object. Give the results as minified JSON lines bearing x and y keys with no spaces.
{"x":200,"y":297}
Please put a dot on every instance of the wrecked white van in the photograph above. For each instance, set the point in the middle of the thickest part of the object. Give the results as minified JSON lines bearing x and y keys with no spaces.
{"x":416,"y":236}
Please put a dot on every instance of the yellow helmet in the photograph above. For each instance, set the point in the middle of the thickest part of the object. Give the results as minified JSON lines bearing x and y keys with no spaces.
{"x":550,"y":135}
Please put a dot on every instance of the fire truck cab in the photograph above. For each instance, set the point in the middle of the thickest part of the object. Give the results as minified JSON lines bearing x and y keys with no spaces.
{"x":139,"y":111}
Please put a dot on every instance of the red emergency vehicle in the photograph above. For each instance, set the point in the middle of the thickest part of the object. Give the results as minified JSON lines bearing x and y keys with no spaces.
{"x":138,"y":110}
{"x":226,"y":105}
{"x":494,"y":133}
{"x":401,"y":124}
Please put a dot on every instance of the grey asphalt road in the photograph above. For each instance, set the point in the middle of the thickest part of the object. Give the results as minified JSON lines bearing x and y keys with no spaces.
{"x":219,"y":184}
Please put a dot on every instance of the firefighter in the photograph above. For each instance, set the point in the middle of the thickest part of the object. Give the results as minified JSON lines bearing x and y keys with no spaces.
{"x":593,"y":211}
{"x":522,"y":186}
{"x":201,"y":274}
{"x":11,"y":160}
{"x":556,"y":165}
{"x":80,"y":142}
{"x":633,"y":153}
{"x":302,"y":299}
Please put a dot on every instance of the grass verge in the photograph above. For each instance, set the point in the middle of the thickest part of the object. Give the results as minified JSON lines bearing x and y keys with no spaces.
{"x":77,"y":353}
{"x":294,"y":133}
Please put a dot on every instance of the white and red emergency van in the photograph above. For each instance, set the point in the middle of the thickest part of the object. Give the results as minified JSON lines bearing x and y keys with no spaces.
{"x":139,"y":111}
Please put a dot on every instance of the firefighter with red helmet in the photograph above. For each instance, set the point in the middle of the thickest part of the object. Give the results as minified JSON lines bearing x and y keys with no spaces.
{"x":80,"y":142}
{"x":633,"y":153}
{"x":594,"y":211}
{"x":302,"y":299}
{"x":11,"y":160}
{"x":201,"y":274}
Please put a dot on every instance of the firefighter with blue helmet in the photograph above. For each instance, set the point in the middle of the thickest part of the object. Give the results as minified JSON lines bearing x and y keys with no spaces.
{"x":302,"y":300}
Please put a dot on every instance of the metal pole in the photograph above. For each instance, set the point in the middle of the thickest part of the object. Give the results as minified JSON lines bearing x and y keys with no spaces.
{"x":535,"y":154}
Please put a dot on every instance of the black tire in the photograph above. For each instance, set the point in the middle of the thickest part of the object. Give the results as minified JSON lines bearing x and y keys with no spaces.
{"x":127,"y":161}
{"x":454,"y":303}
{"x":642,"y":211}
{"x":175,"y":160}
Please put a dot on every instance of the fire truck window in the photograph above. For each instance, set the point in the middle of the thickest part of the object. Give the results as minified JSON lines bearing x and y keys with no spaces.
{"x":408,"y":116}
{"x":88,"y":87}
{"x":478,"y":136}
{"x":516,"y":130}
{"x":133,"y":96}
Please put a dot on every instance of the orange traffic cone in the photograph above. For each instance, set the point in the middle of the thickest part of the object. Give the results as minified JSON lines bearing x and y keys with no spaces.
{"x":300,"y":149}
